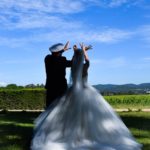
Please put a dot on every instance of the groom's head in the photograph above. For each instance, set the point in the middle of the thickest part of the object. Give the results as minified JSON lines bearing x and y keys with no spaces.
{"x":57,"y":49}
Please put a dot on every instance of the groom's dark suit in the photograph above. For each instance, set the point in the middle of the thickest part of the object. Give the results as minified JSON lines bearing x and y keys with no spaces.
{"x":56,"y":83}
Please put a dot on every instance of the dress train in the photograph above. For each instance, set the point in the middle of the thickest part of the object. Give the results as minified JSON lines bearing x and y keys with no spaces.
{"x":81,"y":120}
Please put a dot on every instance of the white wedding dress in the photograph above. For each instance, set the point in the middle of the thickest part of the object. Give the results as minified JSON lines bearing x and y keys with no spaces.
{"x":81,"y":120}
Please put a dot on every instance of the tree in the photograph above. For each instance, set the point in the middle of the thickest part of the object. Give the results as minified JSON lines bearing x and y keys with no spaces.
{"x":30,"y":86}
{"x":11,"y":86}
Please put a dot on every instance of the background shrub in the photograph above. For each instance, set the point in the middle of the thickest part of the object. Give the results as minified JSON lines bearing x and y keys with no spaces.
{"x":34,"y":99}
{"x":22,"y":99}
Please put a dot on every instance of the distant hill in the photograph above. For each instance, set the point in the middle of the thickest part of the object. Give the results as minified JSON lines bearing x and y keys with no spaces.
{"x":105,"y":89}
{"x":124,"y":88}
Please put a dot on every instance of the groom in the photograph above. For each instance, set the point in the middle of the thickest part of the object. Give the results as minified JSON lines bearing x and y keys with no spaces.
{"x":55,"y":66}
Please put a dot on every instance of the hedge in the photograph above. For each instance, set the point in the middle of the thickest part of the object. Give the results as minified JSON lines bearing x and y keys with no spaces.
{"x":22,"y":99}
{"x":34,"y":99}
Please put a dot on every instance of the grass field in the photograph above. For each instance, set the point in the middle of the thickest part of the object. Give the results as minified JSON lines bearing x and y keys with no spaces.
{"x":16,"y":128}
{"x":129,"y":101}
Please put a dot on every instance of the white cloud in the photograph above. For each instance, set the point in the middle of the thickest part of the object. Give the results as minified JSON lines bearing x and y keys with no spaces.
{"x":110,"y":63}
{"x":96,"y":61}
{"x":107,"y":36}
{"x":45,"y":21}
{"x":38,"y":14}
{"x":144,"y":31}
{"x":110,"y":35}
{"x":50,"y":6}
{"x":14,"y":42}
{"x":78,"y":34}
{"x":11,"y":19}
{"x":125,"y":3}
{"x":140,"y":64}
{"x":117,"y":3}
{"x":10,"y":62}
{"x":2,"y":84}
{"x":121,"y":62}
{"x":61,"y":6}
{"x":147,"y":59}
{"x":47,"y":13}
{"x":28,"y":14}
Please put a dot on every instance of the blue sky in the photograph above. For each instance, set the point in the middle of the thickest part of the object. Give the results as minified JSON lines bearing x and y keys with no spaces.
{"x":119,"y":31}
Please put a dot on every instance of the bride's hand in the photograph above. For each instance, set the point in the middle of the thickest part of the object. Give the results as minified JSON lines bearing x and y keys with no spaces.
{"x":88,"y":47}
{"x":85,"y":48}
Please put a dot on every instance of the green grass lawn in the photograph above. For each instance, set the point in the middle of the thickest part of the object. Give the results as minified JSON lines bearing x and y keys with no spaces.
{"x":129,"y":101}
{"x":16,"y":128}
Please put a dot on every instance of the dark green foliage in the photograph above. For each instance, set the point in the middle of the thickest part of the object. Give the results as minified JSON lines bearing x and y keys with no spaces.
{"x":11,"y":86}
{"x":22,"y":99}
{"x":34,"y":98}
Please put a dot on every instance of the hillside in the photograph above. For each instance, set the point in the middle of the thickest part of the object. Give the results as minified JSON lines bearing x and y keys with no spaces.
{"x":124,"y":88}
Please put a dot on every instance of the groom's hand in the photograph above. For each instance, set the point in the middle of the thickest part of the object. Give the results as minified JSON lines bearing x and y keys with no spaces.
{"x":66,"y":47}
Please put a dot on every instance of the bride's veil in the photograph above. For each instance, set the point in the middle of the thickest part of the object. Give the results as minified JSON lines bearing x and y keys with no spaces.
{"x":77,"y":68}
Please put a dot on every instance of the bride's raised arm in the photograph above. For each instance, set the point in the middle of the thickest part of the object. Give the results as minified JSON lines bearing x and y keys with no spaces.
{"x":85,"y":48}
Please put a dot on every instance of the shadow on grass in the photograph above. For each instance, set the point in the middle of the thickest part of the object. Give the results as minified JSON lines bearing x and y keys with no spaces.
{"x":137,"y":120}
{"x":16,"y":128}
{"x":20,"y":117}
{"x":15,"y":135}
{"x":139,"y":125}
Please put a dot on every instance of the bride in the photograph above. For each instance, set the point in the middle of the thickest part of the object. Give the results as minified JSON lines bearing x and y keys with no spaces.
{"x":81,"y":119}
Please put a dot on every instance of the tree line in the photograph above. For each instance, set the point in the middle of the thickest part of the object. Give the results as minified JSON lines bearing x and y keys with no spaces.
{"x":15,"y":86}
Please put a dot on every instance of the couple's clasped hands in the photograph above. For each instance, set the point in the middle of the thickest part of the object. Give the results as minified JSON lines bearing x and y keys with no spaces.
{"x":82,"y":46}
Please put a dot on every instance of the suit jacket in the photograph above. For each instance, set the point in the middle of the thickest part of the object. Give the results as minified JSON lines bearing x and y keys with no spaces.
{"x":55,"y":72}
